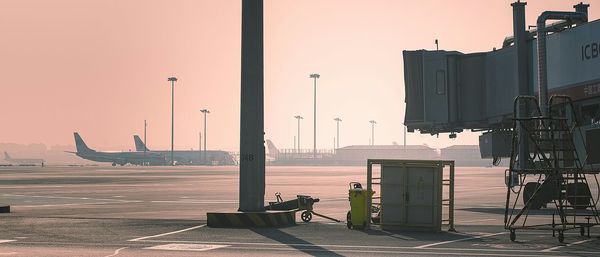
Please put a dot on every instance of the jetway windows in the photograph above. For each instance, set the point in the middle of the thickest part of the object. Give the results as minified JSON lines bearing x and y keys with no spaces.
{"x":590,"y":114}
{"x":441,"y":82}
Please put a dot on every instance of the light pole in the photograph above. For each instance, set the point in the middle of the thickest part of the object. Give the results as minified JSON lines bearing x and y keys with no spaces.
{"x":337,"y":121}
{"x":315,"y":76}
{"x":145,"y":145}
{"x":172,"y":80}
{"x":373,"y":122}
{"x":205,"y":111}
{"x":298,"y":117}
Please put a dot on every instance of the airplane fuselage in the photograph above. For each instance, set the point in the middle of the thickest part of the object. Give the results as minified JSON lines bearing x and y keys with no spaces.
{"x":122,"y":158}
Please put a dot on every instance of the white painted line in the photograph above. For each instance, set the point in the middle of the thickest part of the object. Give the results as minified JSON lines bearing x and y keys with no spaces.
{"x":374,"y":250}
{"x":65,"y":197}
{"x":355,"y":247}
{"x":476,"y":189}
{"x":8,"y":253}
{"x":561,"y":246}
{"x":74,"y":204}
{"x":458,"y":240}
{"x":166,"y":234}
{"x":116,"y":252}
{"x":197,"y":201}
{"x":473,"y":221}
{"x":334,"y":199}
{"x":186,"y":247}
{"x":6,"y":241}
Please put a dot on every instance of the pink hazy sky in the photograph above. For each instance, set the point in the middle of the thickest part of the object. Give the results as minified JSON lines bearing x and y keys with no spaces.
{"x":100,"y":67}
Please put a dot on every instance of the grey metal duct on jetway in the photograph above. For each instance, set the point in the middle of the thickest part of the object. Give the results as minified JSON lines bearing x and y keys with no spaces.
{"x":541,"y":47}
{"x":554,"y":27}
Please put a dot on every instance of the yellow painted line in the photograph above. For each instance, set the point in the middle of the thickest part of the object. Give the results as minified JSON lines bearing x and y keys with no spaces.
{"x":273,"y":220}
{"x":256,"y":219}
{"x":234,"y":220}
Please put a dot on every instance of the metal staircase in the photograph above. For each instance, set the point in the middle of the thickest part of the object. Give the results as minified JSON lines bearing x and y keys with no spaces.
{"x":554,"y":173}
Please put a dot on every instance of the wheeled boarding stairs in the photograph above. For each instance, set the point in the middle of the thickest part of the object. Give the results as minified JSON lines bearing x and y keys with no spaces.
{"x":554,"y":176}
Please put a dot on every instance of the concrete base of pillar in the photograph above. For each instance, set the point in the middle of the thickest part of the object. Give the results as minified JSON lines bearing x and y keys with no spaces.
{"x":251,"y":219}
{"x":4,"y":208}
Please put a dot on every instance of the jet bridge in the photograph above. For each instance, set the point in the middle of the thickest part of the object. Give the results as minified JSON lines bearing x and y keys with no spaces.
{"x":450,"y":91}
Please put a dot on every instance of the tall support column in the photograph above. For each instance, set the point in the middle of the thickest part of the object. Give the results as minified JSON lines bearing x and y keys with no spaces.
{"x":520,"y":36}
{"x":252,"y":149}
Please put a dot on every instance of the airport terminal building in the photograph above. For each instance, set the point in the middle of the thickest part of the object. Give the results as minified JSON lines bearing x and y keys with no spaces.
{"x":359,"y":154}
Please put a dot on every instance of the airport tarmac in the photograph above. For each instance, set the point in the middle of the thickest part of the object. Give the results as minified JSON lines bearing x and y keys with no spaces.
{"x":161,"y":211}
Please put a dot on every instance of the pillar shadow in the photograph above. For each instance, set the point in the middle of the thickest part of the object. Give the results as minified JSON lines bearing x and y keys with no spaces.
{"x":294,"y":242}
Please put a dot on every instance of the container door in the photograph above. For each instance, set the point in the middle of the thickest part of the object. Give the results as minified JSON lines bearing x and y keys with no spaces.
{"x":420,"y":197}
{"x":392,"y":195}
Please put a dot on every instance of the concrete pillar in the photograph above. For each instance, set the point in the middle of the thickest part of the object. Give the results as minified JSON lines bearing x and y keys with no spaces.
{"x":252,"y":149}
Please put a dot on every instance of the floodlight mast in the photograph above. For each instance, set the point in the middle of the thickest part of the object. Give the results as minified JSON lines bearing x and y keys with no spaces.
{"x":172,"y":80}
{"x":373,"y":122}
{"x":315,"y":76}
{"x":337,"y":138}
{"x":205,"y":111}
{"x":298,"y":117}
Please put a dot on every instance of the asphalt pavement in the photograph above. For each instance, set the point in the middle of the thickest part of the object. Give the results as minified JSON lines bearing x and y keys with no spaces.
{"x":161,"y":211}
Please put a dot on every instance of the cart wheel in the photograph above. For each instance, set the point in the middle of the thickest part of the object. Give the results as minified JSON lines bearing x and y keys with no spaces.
{"x":513,"y":235}
{"x":561,"y":237}
{"x":306,"y":216}
{"x":349,"y":220}
{"x":582,"y":231}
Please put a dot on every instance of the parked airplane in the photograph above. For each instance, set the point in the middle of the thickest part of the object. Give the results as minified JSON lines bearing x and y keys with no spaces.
{"x":276,"y":156}
{"x":23,"y":161}
{"x":189,"y":157}
{"x":120,"y":158}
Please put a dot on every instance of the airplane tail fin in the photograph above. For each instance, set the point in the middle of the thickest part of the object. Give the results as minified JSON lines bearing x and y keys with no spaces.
{"x":273,"y":151}
{"x":6,"y":156}
{"x":81,"y":146}
{"x":139,"y":144}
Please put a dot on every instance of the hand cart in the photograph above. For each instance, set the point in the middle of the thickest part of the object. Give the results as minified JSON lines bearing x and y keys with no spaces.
{"x":302,"y":203}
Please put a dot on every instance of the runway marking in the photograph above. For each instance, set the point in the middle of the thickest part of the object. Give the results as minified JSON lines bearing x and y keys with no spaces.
{"x":467,"y":189}
{"x":186,"y":247}
{"x":334,"y":199}
{"x":99,"y":200}
{"x":166,"y":234}
{"x":472,"y":221}
{"x":395,"y":252}
{"x":73,"y":204}
{"x":65,"y":197}
{"x":459,"y":240}
{"x":243,"y":244}
{"x":197,"y":201}
{"x":116,"y":252}
{"x":567,"y":245}
{"x":8,"y":253}
{"x":6,"y":241}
